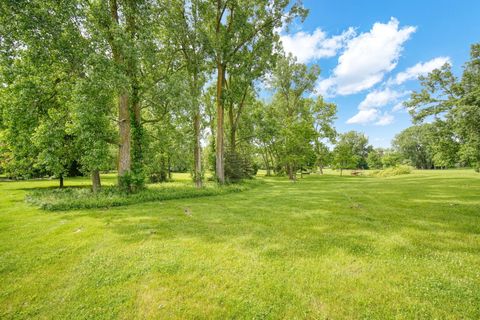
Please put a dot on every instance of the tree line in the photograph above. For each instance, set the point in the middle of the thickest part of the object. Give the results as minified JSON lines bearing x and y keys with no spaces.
{"x":140,"y":86}
{"x":149,"y":87}
{"x":445,"y":131}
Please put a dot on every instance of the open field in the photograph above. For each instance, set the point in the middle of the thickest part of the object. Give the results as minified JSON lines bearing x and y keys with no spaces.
{"x":405,"y":247}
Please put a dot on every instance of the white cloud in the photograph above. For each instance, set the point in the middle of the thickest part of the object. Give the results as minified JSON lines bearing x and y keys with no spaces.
{"x":367,"y":58}
{"x":384,"y":120}
{"x":323,"y":87}
{"x":398,"y":107}
{"x":377,"y":99}
{"x":420,"y":69}
{"x":369,"y":108}
{"x":364,"y":116}
{"x":308,"y":47}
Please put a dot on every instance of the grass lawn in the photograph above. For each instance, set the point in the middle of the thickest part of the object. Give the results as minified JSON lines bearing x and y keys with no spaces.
{"x":326,"y":247}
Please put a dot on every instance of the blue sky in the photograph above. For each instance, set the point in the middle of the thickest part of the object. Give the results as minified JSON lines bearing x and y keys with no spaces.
{"x":371,"y":53}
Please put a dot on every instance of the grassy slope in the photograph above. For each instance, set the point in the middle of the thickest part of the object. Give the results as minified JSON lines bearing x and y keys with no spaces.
{"x":329,"y":246}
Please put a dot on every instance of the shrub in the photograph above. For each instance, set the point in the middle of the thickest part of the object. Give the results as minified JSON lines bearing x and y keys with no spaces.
{"x":393,"y":171}
{"x":238,"y":167}
{"x":131,"y":182}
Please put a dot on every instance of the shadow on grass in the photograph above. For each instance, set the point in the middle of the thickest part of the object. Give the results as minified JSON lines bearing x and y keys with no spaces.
{"x":314,"y":216}
{"x":306,"y":219}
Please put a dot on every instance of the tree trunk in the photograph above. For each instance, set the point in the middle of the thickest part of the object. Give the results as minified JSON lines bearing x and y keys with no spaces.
{"x":169,"y":168}
{"x":61,"y":181}
{"x":265,"y":160}
{"x":197,"y":151}
{"x":96,"y":184}
{"x":197,"y":148}
{"x":341,"y":171}
{"x":137,"y":132}
{"x":124,"y":157}
{"x":321,"y":168}
{"x":291,"y":172}
{"x":135,"y":109}
{"x":219,"y":151}
{"x":233,"y":130}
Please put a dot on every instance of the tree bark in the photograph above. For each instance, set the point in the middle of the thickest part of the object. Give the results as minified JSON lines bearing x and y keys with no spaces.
{"x":234,"y":119}
{"x":291,"y":172}
{"x":233,"y":130}
{"x":124,"y":155}
{"x":265,"y":160}
{"x":137,"y":133}
{"x":96,"y":184}
{"x":197,"y":151}
{"x":61,"y":181}
{"x":219,"y":150}
{"x":135,"y":110}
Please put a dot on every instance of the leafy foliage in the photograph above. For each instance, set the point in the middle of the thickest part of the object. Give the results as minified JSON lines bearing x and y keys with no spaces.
{"x":454,"y":106}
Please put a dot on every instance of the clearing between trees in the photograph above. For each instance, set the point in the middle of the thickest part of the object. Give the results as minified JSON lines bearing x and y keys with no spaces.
{"x":325,"y":246}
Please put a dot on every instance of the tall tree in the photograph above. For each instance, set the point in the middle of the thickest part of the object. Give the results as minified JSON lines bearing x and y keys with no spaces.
{"x":233,"y":27}
{"x":414,"y":144}
{"x":183,"y":22}
{"x":42,"y":56}
{"x":325,"y":114}
{"x":292,"y":81}
{"x":445,"y":98}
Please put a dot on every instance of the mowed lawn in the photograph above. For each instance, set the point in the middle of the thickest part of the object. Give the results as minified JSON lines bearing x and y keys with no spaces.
{"x":326,"y":247}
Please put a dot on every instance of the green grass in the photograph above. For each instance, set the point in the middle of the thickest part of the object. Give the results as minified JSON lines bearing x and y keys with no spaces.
{"x":326,"y":247}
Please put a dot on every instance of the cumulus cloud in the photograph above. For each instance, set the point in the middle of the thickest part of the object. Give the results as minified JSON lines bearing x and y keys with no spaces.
{"x":308,"y":47}
{"x":366,"y":59}
{"x":369,"y":108}
{"x":378,"y":99}
{"x":420,"y":69}
{"x":384,"y":120}
{"x":398,"y":107}
{"x":364,"y":116}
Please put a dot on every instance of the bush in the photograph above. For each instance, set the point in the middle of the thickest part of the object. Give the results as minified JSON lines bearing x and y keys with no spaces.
{"x":131,"y":182}
{"x":83,"y":198}
{"x":394,"y":171}
{"x":156,"y":177}
{"x":238,"y":167}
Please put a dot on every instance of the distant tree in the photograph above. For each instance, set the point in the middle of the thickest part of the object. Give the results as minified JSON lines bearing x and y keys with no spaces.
{"x":390,"y":158}
{"x":457,"y":103}
{"x":344,"y":157}
{"x":444,"y":145}
{"x":325,"y":114}
{"x":374,"y":159}
{"x":295,"y":113}
{"x":414,"y":144}
{"x":351,"y":151}
{"x":266,"y":128}
{"x":324,"y":156}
